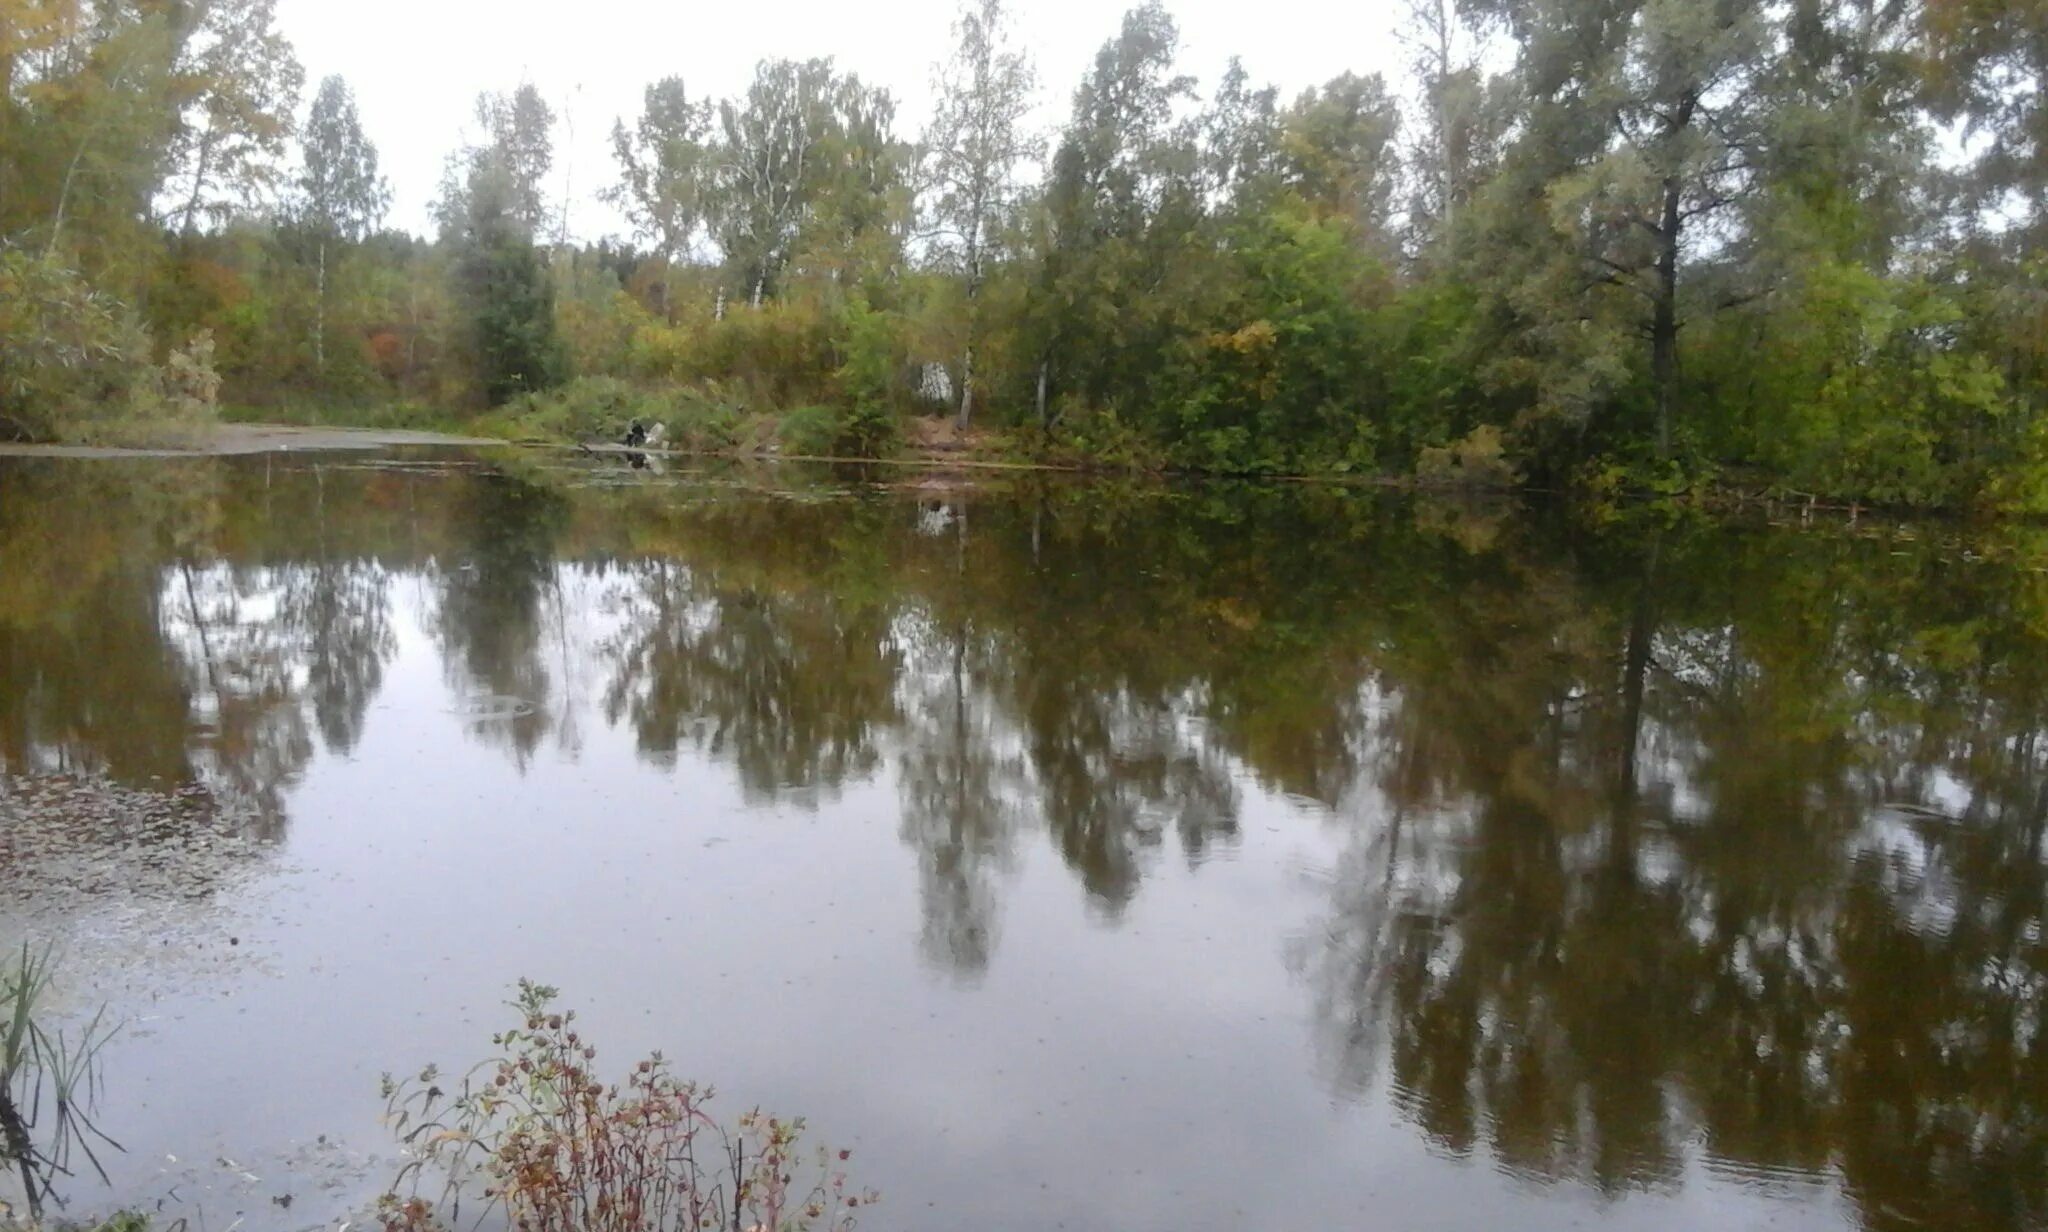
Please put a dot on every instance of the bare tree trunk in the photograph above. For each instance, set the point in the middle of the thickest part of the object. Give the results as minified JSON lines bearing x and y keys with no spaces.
{"x":1044,"y":423}
{"x":198,"y":180}
{"x":78,"y":156}
{"x":64,"y":193}
{"x":973,"y":325}
{"x":320,"y":316}
{"x":1664,"y":319}
{"x":7,"y":54}
{"x":412,"y":335}
{"x":967,"y":386}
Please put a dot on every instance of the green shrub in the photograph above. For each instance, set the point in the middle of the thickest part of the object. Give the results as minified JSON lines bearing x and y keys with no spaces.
{"x":701,"y":421}
{"x":835,"y":432}
{"x":811,"y":431}
{"x":1101,"y":440}
{"x":1476,"y":460}
{"x":781,"y":354}
{"x":75,"y":364}
{"x":588,"y":408}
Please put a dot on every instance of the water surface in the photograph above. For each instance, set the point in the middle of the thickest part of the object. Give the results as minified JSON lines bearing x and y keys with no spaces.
{"x":1083,"y":856}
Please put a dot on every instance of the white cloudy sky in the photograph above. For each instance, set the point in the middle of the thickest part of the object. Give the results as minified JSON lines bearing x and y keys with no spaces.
{"x":417,"y":65}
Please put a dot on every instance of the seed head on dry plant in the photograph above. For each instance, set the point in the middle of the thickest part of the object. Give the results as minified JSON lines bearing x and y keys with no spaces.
{"x":536,"y":1134}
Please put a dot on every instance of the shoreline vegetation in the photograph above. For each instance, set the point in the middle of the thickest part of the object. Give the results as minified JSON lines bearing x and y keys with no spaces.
{"x":1719,"y":253}
{"x":538,"y":1136}
{"x":534,"y":1133}
{"x":987,"y":454}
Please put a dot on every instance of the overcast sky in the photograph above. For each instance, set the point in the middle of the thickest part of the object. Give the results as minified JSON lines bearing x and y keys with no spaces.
{"x":417,"y":65}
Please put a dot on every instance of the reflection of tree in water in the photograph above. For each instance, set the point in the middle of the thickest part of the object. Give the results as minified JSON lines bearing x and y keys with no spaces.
{"x":272,"y":654}
{"x":492,"y":620}
{"x":1730,"y":843}
{"x":337,"y":604}
{"x":87,"y":685}
{"x":1709,"y":851}
{"x":343,"y":613}
{"x":788,"y":687}
{"x":144,"y":654}
{"x":93,"y":689}
{"x":964,"y":790}
{"x":243,"y":673}
{"x":795,"y":640}
{"x":1113,"y":772}
{"x":1106,"y":673}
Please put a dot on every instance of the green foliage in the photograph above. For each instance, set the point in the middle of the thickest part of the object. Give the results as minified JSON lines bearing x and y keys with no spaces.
{"x":703,"y":421}
{"x":1100,"y":440}
{"x":1852,"y":387}
{"x":511,"y":305}
{"x":832,"y":197}
{"x":835,"y":432}
{"x":1478,"y":459}
{"x":596,"y":408}
{"x":870,"y":382}
{"x":780,"y":355}
{"x":1667,"y":242}
{"x":76,"y":365}
{"x":811,"y":431}
{"x":1284,"y":385}
{"x":66,"y":351}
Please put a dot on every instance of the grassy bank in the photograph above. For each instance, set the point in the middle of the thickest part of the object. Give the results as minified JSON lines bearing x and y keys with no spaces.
{"x":701,"y":420}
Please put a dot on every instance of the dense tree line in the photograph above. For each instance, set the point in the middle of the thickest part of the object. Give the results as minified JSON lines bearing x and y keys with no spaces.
{"x":1789,"y":243}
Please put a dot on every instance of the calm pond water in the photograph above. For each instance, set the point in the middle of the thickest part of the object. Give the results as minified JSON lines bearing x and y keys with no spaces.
{"x":1082,"y":856}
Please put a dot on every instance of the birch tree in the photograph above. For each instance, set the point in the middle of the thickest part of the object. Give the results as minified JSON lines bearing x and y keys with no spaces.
{"x":341,"y":196}
{"x":1462,"y":118}
{"x":235,"y":86}
{"x":520,"y":131}
{"x":665,"y":163}
{"x":974,"y":147}
{"x":769,"y":164}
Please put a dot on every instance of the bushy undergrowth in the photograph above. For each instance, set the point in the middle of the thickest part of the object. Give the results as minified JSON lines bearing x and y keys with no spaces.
{"x":77,"y":365}
{"x":388,"y":416}
{"x":695,"y":420}
{"x":838,"y":432}
{"x":602,"y":408}
{"x":1476,"y":460}
{"x":540,"y":1137}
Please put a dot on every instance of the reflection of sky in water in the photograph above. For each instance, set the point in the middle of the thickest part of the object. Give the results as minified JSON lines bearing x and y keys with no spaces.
{"x":1054,"y":926}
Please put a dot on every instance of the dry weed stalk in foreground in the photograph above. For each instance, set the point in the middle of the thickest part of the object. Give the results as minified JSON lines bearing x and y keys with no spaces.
{"x":537,"y":1134}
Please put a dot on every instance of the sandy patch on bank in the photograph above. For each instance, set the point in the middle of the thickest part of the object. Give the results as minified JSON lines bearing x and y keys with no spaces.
{"x":224,"y":439}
